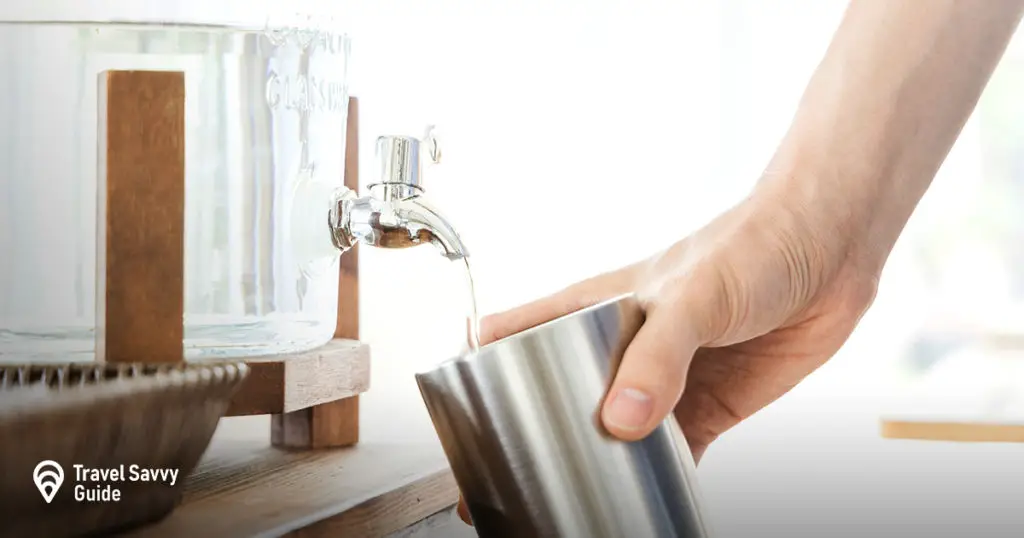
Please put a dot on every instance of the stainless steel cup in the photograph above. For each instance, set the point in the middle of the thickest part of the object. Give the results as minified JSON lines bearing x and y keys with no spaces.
{"x":519,"y":423}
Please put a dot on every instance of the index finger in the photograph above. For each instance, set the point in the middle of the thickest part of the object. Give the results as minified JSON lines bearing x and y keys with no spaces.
{"x":576,"y":297}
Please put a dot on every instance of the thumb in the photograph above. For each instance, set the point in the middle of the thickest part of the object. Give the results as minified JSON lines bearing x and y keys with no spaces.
{"x":651,"y":376}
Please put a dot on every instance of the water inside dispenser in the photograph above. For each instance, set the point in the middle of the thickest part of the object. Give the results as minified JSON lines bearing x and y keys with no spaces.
{"x":265,"y":112}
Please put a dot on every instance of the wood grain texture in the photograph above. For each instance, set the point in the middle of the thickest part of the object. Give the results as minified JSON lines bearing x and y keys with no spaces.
{"x":395,"y":477}
{"x":141,"y":219}
{"x":348,"y":275}
{"x":391,"y":512}
{"x":286,"y":383}
{"x":444,"y":524}
{"x":246,"y":488}
{"x":334,"y":424}
{"x":976,"y":432}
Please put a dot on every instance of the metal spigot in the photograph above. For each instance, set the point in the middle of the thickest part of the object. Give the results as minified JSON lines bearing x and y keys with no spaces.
{"x":395,"y":213}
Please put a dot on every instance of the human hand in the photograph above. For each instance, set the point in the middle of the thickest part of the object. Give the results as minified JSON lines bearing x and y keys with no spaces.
{"x":736,"y":315}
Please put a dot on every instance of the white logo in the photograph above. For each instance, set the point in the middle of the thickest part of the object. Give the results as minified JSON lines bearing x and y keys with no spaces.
{"x":48,"y":477}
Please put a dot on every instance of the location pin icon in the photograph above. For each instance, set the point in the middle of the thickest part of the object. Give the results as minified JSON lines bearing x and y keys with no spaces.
{"x":48,"y":477}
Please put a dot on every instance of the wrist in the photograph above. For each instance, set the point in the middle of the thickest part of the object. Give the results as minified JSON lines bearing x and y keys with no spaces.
{"x":848,"y":211}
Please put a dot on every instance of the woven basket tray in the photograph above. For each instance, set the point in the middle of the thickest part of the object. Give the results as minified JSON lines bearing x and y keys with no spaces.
{"x":104,"y":416}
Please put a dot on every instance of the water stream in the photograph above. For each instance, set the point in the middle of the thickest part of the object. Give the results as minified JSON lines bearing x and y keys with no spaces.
{"x":473,"y":319}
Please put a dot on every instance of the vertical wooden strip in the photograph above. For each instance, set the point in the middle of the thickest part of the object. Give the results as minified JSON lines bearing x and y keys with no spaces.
{"x":348,"y":278}
{"x":333,"y":424}
{"x":141,"y":220}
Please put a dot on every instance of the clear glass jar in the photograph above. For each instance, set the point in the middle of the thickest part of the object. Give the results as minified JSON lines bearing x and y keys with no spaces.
{"x":265,"y":119}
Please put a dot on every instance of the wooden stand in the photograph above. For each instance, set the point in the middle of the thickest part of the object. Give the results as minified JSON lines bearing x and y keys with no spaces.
{"x":313,"y":396}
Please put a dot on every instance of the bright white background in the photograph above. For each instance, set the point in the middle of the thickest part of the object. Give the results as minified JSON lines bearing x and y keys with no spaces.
{"x":581,"y":136}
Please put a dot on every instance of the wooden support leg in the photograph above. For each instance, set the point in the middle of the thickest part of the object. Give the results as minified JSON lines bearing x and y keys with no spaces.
{"x":333,"y":424}
{"x":141,"y":232}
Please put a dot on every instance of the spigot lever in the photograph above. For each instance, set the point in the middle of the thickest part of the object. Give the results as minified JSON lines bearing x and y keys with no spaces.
{"x":401,"y":164}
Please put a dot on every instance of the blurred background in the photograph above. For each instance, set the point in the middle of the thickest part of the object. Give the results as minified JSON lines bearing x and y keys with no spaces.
{"x":581,"y":136}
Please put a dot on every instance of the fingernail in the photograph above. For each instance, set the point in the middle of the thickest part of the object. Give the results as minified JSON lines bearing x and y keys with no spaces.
{"x":630,"y":409}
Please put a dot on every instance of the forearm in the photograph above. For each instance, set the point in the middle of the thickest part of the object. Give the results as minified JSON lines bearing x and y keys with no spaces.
{"x":882,"y":111}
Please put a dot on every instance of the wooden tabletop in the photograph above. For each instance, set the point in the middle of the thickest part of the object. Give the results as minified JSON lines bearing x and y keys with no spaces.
{"x":974,"y":396}
{"x":395,"y":477}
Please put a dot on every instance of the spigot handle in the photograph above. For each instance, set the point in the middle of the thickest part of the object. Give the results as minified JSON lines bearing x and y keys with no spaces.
{"x":401,"y":158}
{"x":432,"y":145}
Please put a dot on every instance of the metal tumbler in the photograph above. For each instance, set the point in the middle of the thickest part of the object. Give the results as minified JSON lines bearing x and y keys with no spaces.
{"x":520,"y":425}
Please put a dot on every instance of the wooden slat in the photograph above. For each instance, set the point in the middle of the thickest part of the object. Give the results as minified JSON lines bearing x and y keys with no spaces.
{"x":348,"y":276}
{"x":141,"y":232}
{"x":971,"y":432}
{"x":334,"y":424}
{"x":287,"y":383}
